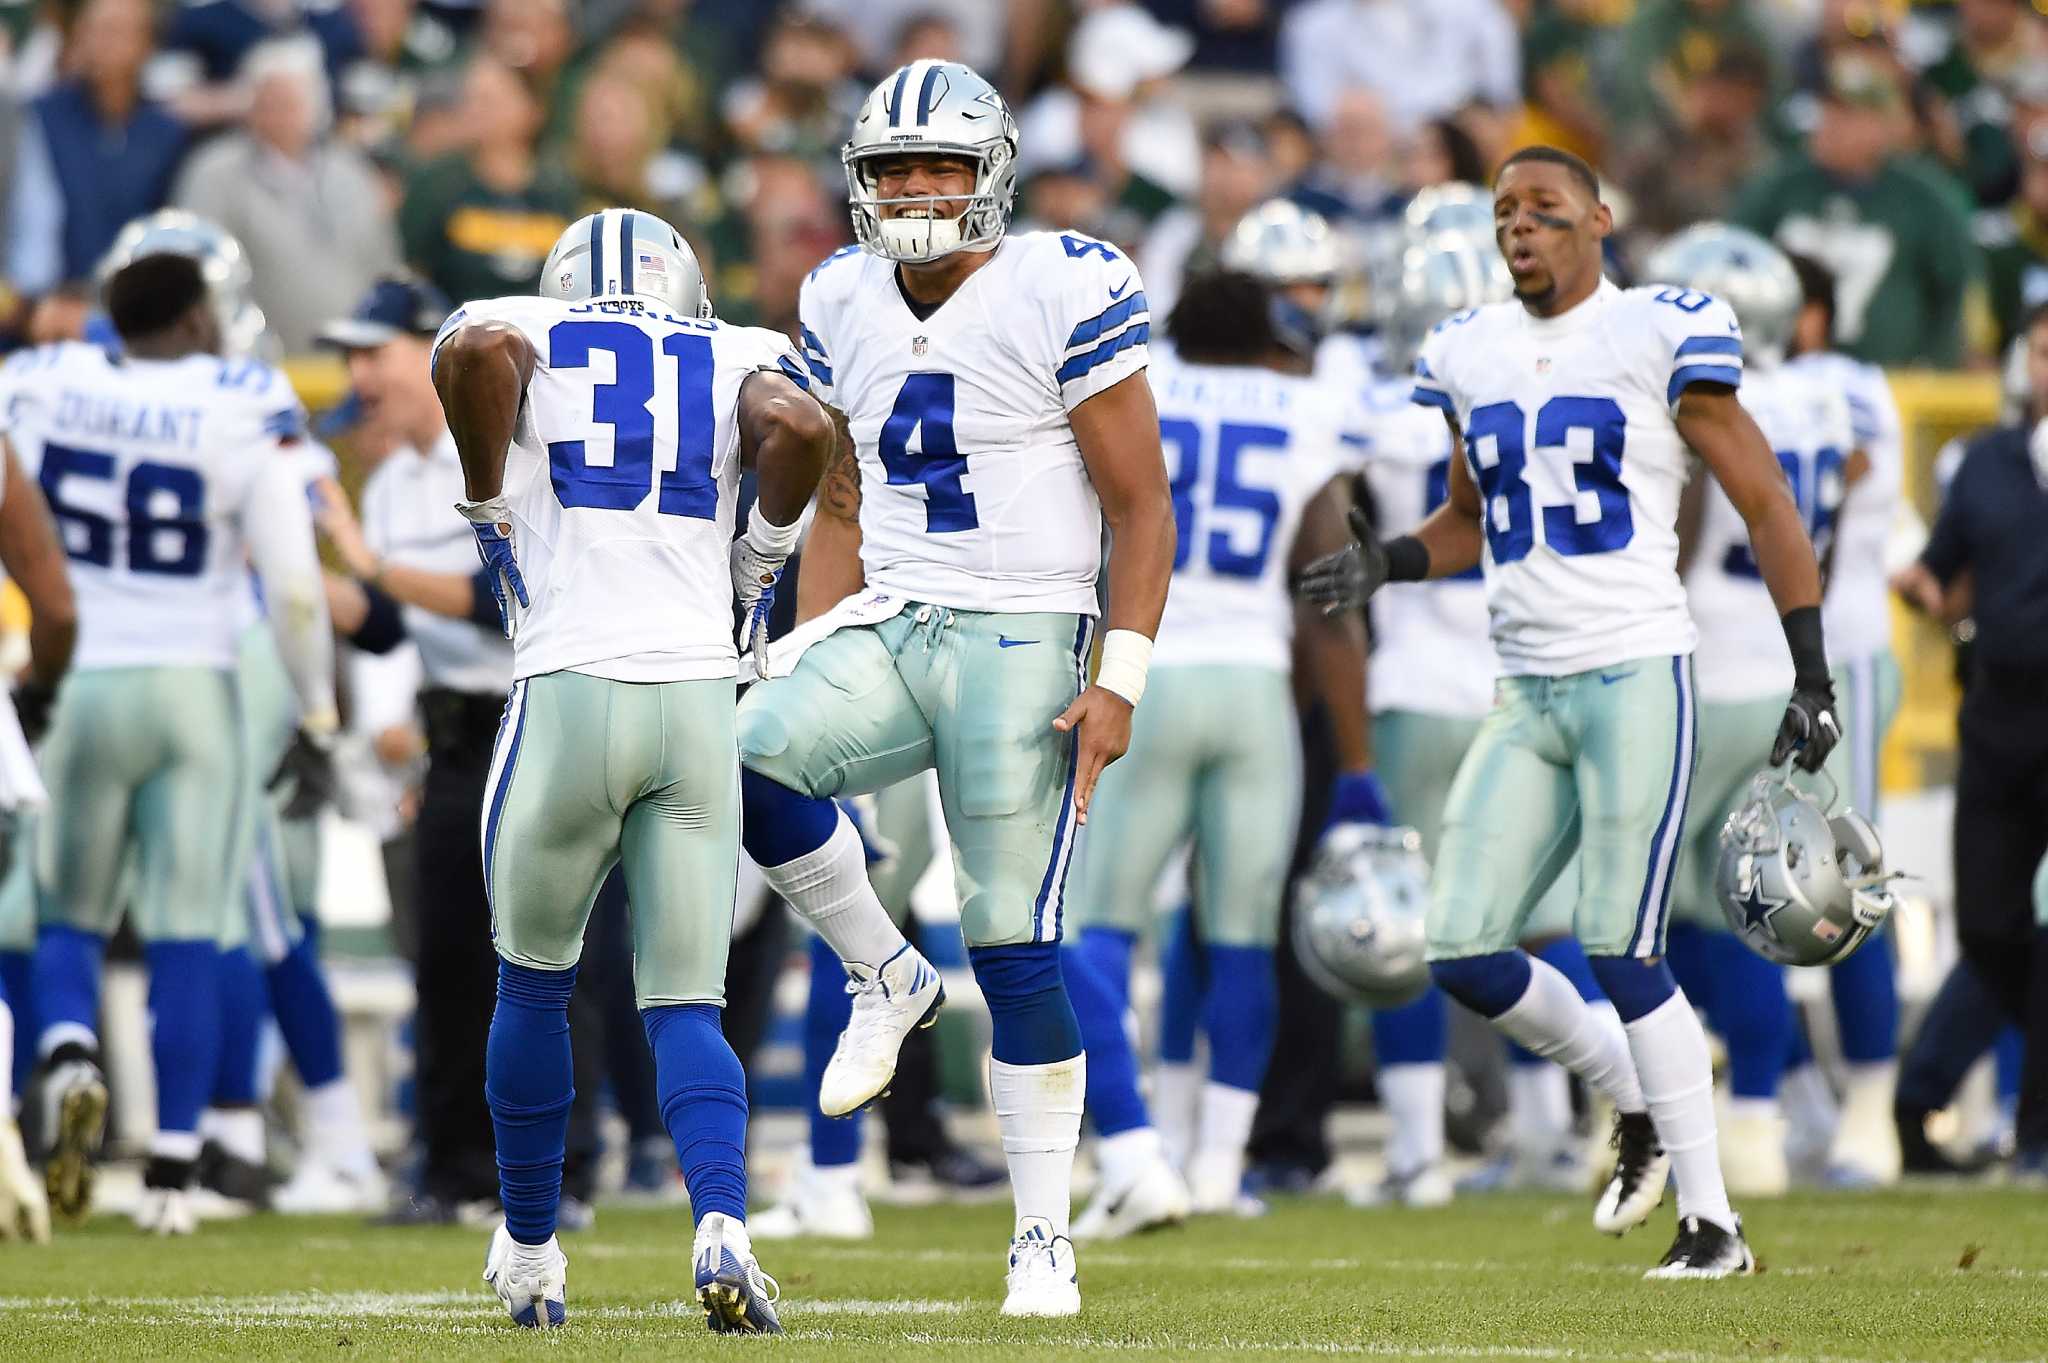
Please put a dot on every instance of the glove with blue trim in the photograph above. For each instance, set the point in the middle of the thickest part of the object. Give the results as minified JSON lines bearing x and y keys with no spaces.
{"x":491,"y":521}
{"x":755,"y":574}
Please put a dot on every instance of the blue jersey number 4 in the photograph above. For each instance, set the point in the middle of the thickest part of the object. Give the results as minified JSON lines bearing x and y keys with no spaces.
{"x":924,"y":413}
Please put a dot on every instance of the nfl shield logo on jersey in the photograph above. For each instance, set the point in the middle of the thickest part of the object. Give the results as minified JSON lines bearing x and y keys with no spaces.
{"x":1543,"y":364}
{"x":917,"y":345}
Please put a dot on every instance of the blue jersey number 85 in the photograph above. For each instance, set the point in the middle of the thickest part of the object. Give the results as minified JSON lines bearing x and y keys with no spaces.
{"x":1228,"y":551}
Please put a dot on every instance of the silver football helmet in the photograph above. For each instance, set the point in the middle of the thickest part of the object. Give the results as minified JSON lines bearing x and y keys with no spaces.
{"x":1455,"y":209}
{"x":229,"y":280}
{"x":618,"y":251}
{"x":1743,"y":269}
{"x":1282,"y":243}
{"x":1443,"y":275}
{"x":1358,"y":919}
{"x":1798,"y":886}
{"x":940,"y":108}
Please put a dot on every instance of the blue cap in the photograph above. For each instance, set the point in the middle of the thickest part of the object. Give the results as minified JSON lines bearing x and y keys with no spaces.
{"x":397,"y":305}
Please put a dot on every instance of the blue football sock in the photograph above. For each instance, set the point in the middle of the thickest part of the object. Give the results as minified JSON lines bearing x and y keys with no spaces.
{"x":1489,"y":985}
{"x":703,"y":1104}
{"x":1753,"y":1014}
{"x":1241,"y":1015}
{"x":1031,"y":1018}
{"x":306,"y":1015}
{"x":1691,"y":957}
{"x":834,"y":1140}
{"x":2010,"y":1053}
{"x":185,"y":1029}
{"x":17,"y":973}
{"x":1107,"y":952}
{"x":529,"y":1083}
{"x":1113,"y":1101}
{"x":1635,"y":987}
{"x":65,"y":987}
{"x":1184,"y":975}
{"x":1568,"y":958}
{"x":1866,"y":998}
{"x":1413,"y":1034}
{"x":778,"y":825}
{"x":242,"y":1000}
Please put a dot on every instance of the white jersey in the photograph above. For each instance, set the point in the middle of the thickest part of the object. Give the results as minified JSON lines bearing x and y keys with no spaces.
{"x":1430,"y":651}
{"x":623,"y":481}
{"x":1344,"y":365}
{"x":1570,"y":436}
{"x":973,"y":492}
{"x":1742,"y":654}
{"x":1856,"y":612}
{"x":1247,"y":449}
{"x":21,"y":784}
{"x":151,"y":468}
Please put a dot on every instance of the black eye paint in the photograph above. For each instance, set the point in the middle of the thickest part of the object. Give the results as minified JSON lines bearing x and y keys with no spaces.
{"x":1551,"y":220}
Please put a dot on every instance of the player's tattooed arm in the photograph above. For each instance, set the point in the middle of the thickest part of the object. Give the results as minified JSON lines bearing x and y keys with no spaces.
{"x":830,"y":571}
{"x":1330,"y":647}
{"x":481,"y":372}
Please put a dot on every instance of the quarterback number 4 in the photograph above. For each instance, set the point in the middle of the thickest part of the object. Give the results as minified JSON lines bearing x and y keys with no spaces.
{"x":924,"y":413}
{"x":1079,"y":247}
{"x":1496,"y":443}
{"x":166,"y":506}
{"x":688,"y":489}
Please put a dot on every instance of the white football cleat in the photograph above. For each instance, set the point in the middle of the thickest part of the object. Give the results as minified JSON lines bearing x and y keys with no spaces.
{"x":1753,"y":1162}
{"x":1152,"y":1198}
{"x":532,"y":1280}
{"x":737,"y":1297}
{"x":72,"y":1097}
{"x":321,"y":1187}
{"x":166,"y":1211}
{"x":1042,"y":1280}
{"x":1428,"y":1186}
{"x":888,"y":1004}
{"x":1641,"y":1169}
{"x":24,"y":1207}
{"x":826,"y":1205}
{"x":1705,"y":1250}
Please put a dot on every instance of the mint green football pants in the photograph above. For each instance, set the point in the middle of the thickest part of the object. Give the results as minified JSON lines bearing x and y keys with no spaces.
{"x":1417,"y":758}
{"x":1215,"y":757}
{"x":142,"y":762}
{"x":971,"y":693}
{"x":588,"y":774}
{"x":1599,"y":763}
{"x":277,"y":861}
{"x":1735,"y":743}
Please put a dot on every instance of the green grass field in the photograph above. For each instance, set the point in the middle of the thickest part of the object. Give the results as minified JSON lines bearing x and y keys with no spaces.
{"x":1909,"y":1275}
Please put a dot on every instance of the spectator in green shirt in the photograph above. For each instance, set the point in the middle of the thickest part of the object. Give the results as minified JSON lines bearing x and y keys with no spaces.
{"x":1996,"y":43}
{"x":479,"y":222}
{"x":1669,"y":42}
{"x":1893,"y":228}
{"x":2015,"y":242}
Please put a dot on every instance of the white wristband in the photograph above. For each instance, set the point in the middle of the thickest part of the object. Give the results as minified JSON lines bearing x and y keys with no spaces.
{"x":774,"y":541}
{"x":1126,"y":657}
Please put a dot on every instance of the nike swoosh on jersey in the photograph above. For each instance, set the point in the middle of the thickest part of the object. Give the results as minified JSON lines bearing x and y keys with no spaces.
{"x":1002,"y":642}
{"x":1118,"y":291}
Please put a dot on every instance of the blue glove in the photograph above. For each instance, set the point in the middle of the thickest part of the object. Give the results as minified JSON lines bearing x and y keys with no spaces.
{"x":1358,"y":798}
{"x":491,"y":521}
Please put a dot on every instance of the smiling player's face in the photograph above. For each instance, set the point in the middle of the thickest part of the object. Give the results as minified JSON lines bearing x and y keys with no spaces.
{"x":947,"y":179}
{"x":1549,"y":230}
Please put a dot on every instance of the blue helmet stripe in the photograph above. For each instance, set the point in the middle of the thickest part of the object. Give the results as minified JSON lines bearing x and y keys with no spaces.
{"x":927,"y":94}
{"x":597,"y":253}
{"x":894,"y":103}
{"x":625,"y":253}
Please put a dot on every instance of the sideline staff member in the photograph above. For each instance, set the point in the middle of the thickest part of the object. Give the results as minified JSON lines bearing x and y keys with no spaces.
{"x":1990,"y":533}
{"x":418,"y":568}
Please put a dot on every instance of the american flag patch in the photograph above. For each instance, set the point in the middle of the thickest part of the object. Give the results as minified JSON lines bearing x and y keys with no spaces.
{"x":643,"y":261}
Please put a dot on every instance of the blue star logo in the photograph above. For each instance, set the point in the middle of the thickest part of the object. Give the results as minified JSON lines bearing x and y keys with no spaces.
{"x":1757,"y":908}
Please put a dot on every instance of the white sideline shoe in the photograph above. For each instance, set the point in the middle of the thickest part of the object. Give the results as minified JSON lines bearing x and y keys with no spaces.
{"x":1042,"y":1280}
{"x":888,"y":1004}
{"x":532,"y":1280}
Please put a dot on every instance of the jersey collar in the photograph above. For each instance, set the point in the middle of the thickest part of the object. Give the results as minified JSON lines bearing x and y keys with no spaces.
{"x":1579,"y":318}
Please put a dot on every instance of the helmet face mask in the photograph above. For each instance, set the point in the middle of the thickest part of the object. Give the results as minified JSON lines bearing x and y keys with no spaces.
{"x":934,"y":109}
{"x":1358,"y":919}
{"x":1797,"y":886}
{"x":618,"y":252}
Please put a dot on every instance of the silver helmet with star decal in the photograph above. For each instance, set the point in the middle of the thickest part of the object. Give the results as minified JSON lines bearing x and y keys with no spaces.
{"x":1800,"y":886}
{"x":932,"y":108}
{"x":1747,"y":272}
{"x":1358,"y":919}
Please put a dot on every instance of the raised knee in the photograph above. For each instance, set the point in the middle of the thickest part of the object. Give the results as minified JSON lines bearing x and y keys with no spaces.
{"x":1489,"y":985}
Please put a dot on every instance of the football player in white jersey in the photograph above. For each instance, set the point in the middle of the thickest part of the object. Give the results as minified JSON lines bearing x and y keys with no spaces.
{"x":33,"y":559}
{"x":1743,"y":674}
{"x":165,"y":471}
{"x":1255,"y":476}
{"x":1573,"y":408}
{"x":602,"y":428}
{"x":1864,"y":1145}
{"x":997,"y":417}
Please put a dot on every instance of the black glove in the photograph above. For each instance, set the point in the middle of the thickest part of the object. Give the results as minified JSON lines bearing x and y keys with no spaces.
{"x":308,"y":766}
{"x":33,"y":702}
{"x":1347,"y":579}
{"x":1809,"y":728}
